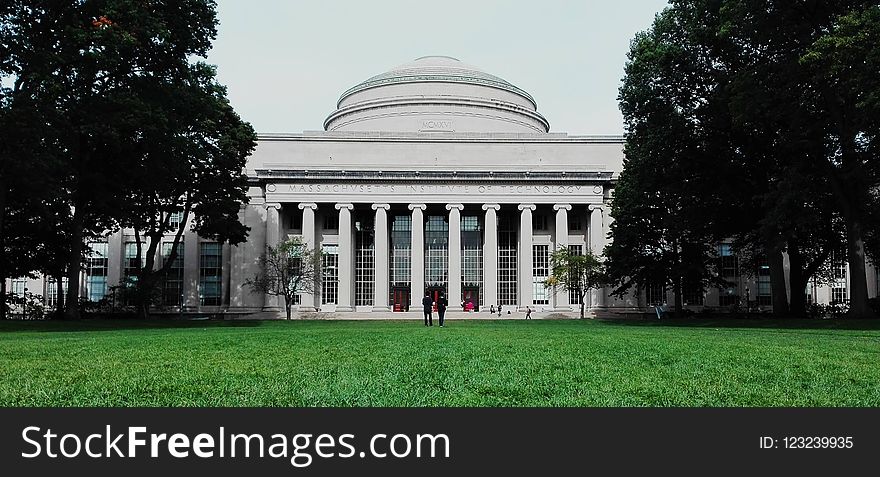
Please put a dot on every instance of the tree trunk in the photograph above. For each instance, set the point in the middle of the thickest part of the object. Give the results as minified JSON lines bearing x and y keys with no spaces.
{"x":777,"y":280}
{"x":796,"y":277}
{"x":676,"y":291}
{"x":858,"y":281}
{"x":582,"y":306}
{"x":2,"y":298}
{"x":74,"y":265}
{"x":287,"y":304}
{"x":2,"y":251}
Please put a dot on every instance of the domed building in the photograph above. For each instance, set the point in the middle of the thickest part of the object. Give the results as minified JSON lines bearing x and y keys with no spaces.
{"x":433,"y":177}
{"x":436,"y":177}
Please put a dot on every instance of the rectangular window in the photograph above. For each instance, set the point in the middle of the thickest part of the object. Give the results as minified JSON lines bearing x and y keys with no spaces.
{"x":540,"y":272}
{"x":728,"y":267}
{"x":436,"y":251}
{"x":330,"y":274}
{"x":838,"y":264}
{"x":573,"y":297}
{"x":331,"y":222}
{"x":655,"y":292}
{"x":539,"y":221}
{"x":51,"y":298}
{"x":210,"y":273}
{"x":363,"y":261}
{"x":507,"y":259}
{"x":764,"y":297}
{"x":96,"y":271}
{"x":131,"y":265}
{"x":175,"y":219}
{"x":401,"y":251}
{"x":471,"y":259}
{"x":18,"y":286}
{"x":838,"y":295}
{"x":292,"y":219}
{"x":575,"y":223}
{"x":130,"y":269}
{"x":172,"y":287}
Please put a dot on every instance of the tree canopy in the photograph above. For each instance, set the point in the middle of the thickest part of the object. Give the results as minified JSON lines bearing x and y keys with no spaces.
{"x":752,"y":121}
{"x":131,"y":125}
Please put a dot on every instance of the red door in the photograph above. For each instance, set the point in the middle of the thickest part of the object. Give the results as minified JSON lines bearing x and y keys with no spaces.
{"x":435,"y":295}
{"x":401,"y":299}
{"x":471,"y":299}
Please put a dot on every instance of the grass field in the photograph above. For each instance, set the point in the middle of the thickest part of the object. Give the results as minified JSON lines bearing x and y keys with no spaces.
{"x":485,"y":363}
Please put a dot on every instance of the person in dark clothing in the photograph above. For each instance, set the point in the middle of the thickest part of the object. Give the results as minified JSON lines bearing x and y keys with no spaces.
{"x":441,"y":308}
{"x":428,"y":304}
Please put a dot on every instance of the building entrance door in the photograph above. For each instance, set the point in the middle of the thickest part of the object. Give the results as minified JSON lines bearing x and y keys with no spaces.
{"x":471,"y":298}
{"x":435,"y":293}
{"x":401,"y":299}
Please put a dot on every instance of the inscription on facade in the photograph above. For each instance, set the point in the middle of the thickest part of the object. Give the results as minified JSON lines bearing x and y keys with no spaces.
{"x":444,"y":125}
{"x":458,"y":189}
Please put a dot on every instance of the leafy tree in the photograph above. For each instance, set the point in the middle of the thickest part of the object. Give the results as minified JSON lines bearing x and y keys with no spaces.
{"x":780,"y":116}
{"x":666,"y":197}
{"x":575,"y":273}
{"x":291,"y":268}
{"x":83,"y":64}
{"x":194,"y":151}
{"x":766,"y":111}
{"x":845,"y":61}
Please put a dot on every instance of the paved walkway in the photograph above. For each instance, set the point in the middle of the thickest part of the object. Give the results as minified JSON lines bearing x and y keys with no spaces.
{"x":412,"y":315}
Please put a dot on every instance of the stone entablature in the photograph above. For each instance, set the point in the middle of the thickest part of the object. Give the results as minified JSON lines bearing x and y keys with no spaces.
{"x":434,"y":192}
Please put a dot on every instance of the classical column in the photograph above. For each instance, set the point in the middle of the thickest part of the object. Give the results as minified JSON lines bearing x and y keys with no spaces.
{"x":561,"y":295}
{"x":454,"y":276}
{"x":380,"y":258}
{"x":273,"y":238}
{"x":417,"y":258}
{"x":346,"y":259}
{"x":490,"y":255}
{"x":308,"y":301}
{"x":526,"y":272}
{"x":597,"y":244}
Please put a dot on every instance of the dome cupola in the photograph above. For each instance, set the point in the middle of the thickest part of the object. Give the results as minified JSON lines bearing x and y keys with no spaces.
{"x":436,"y":94}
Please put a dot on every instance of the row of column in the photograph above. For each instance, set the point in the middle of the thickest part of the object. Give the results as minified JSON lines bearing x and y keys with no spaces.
{"x":417,"y":271}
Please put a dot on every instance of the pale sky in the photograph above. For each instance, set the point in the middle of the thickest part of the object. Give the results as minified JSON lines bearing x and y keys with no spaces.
{"x":285,"y":62}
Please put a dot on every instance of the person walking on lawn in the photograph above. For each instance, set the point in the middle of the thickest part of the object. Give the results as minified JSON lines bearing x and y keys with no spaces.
{"x":428,"y":304}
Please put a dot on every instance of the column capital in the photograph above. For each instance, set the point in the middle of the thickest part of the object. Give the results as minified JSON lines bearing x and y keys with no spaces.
{"x":380,"y":206}
{"x":526,"y":206}
{"x":308,"y":205}
{"x":458,"y":207}
{"x":494,"y":207}
{"x":562,"y":206}
{"x":596,"y":207}
{"x":417,"y":206}
{"x":344,"y":206}
{"x":273,"y":205}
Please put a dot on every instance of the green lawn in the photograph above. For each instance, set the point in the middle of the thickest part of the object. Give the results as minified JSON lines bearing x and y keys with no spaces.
{"x":395,"y":363}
